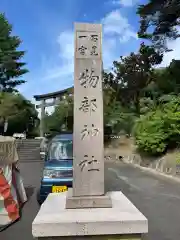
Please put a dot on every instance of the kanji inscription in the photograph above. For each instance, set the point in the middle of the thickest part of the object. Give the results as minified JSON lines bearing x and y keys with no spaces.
{"x":94,"y":38}
{"x":82,"y":50}
{"x":94,"y":51}
{"x":89,"y":131}
{"x":90,"y":162}
{"x":88,"y":78}
{"x":88,"y":105}
{"x":88,"y":44}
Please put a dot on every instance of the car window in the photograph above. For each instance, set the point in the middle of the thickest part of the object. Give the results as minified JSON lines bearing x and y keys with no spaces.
{"x":59,"y":150}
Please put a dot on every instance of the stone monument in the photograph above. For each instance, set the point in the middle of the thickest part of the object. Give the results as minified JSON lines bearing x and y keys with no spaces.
{"x":86,"y":211}
{"x":88,"y":181}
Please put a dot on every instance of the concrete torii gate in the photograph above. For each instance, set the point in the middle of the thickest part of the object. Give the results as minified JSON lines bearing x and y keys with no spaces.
{"x":57,"y":97}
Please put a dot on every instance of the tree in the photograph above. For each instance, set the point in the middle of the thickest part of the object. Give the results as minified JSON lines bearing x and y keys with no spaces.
{"x":159,"y":21}
{"x":11,"y":69}
{"x":132,"y":74}
{"x":61,"y":118}
{"x":19,"y":112}
{"x":166,"y":80}
{"x":159,"y":129}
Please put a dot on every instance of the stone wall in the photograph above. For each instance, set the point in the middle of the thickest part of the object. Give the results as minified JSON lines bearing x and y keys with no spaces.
{"x":124,"y":149}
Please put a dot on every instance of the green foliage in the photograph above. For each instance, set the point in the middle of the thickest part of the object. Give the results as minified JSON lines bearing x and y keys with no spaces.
{"x":132,"y":74}
{"x":149,"y":132}
{"x":159,"y":21}
{"x":20,"y":113}
{"x":178,"y":159}
{"x":159,"y":129}
{"x":11,"y":69}
{"x":62,"y":118}
{"x":119,"y":118}
{"x":146,"y":105}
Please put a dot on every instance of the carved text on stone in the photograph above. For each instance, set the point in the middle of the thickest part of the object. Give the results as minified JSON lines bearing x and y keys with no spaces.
{"x":88,"y":105}
{"x":89,"y":162}
{"x":88,"y":78}
{"x":89,"y":131}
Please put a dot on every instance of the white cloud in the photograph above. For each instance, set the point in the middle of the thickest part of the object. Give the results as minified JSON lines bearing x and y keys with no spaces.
{"x":116,"y":28}
{"x":109,"y":46}
{"x":116,"y":25}
{"x":126,"y":3}
{"x":65,"y":66}
{"x":174,"y":54}
{"x":56,"y":70}
{"x":66,"y":43}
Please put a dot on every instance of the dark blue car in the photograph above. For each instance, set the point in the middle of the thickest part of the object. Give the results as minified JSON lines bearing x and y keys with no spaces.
{"x":58,"y":167}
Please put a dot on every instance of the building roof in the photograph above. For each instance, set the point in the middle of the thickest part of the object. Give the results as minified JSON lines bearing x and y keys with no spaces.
{"x":53,"y":94}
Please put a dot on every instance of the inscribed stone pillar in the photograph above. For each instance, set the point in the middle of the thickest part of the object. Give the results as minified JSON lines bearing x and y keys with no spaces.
{"x":88,"y":149}
{"x":42,"y":118}
{"x":69,"y":215}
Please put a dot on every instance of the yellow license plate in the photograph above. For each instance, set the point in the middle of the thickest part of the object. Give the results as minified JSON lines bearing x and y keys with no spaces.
{"x":57,"y":189}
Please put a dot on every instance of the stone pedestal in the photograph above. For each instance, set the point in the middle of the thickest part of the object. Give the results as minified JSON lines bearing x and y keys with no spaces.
{"x":104,"y":237}
{"x":122,"y":221}
{"x":72,"y":202}
{"x":86,"y":211}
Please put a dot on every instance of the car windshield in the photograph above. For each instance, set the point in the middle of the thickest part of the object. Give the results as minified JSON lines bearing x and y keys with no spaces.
{"x":60,"y":150}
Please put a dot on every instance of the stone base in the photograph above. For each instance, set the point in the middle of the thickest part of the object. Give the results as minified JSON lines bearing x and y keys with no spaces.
{"x":54,"y":221}
{"x":105,"y":237}
{"x":87,"y":201}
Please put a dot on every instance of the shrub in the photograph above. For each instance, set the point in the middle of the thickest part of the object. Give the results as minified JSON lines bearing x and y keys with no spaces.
{"x":159,"y":129}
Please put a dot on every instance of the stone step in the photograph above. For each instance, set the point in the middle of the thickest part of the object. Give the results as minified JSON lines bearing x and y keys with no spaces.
{"x":27,"y":145}
{"x":28,"y":150}
{"x":28,"y":159}
{"x":31,"y":160}
{"x":28,"y":153}
{"x":28,"y":140}
{"x":29,"y":156}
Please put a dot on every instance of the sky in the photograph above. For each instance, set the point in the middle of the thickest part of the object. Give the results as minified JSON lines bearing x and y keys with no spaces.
{"x":46,"y":28}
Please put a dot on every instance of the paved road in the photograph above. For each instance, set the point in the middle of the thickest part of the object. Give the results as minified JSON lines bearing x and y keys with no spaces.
{"x":22,"y":229}
{"x":157,"y":198}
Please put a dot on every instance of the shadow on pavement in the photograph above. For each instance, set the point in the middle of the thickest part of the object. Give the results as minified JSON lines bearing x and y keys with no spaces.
{"x":29,"y":191}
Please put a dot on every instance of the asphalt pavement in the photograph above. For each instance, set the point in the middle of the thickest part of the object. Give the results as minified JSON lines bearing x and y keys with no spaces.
{"x":21,"y":230}
{"x":156,"y":197}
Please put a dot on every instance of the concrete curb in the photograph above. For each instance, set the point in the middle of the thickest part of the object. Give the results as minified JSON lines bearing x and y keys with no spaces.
{"x":153,"y":171}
